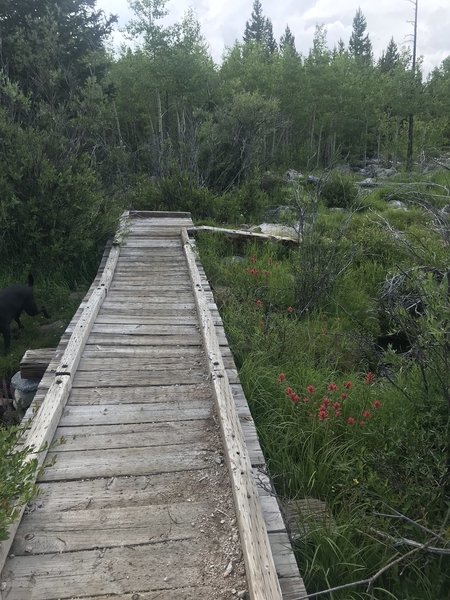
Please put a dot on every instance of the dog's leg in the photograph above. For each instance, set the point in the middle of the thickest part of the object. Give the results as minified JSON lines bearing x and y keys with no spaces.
{"x":6,"y":337}
{"x":32,"y":310}
{"x":18,"y":321}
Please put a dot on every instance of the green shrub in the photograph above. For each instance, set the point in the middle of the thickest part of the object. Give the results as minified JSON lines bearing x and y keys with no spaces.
{"x":253,"y":201}
{"x":16,"y":478}
{"x":338,"y":190}
{"x":53,"y":211}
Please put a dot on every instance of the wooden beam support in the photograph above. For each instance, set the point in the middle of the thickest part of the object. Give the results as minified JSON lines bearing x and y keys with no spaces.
{"x":261,"y":573}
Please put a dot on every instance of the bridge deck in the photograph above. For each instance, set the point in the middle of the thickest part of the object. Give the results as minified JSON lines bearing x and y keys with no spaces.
{"x":135,"y":500}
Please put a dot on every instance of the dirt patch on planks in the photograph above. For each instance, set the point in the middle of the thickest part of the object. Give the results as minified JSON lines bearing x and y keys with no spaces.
{"x":222,"y":560}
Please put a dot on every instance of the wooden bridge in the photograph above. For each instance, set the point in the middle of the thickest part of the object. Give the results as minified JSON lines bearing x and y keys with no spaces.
{"x":154,"y":484}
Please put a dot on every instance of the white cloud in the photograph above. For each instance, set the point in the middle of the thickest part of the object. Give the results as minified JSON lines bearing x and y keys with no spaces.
{"x":223,"y":21}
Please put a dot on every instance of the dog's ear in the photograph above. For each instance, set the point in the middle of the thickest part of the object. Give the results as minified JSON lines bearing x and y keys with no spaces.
{"x":30,"y":280}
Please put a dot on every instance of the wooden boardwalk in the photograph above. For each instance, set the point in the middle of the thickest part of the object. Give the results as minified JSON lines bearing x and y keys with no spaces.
{"x":146,"y":493}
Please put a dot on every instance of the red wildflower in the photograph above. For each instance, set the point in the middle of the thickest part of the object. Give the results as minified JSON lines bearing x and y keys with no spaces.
{"x":367,"y":414}
{"x":281,"y":377}
{"x":376,"y":404}
{"x":310,"y":389}
{"x":306,"y":400}
{"x":259,"y":303}
{"x":348,"y":385}
{"x":343,"y":396}
{"x":322,"y":414}
{"x":253,"y":259}
{"x":289,"y":391}
{"x":326,"y":402}
{"x":290,"y":309}
{"x":337,"y":413}
{"x":351,"y":421}
{"x":295,"y":399}
{"x":336,"y":405}
{"x":369,"y":377}
{"x":332,"y":387}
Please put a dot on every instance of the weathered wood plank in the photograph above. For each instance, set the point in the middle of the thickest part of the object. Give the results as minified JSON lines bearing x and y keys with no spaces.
{"x":139,"y":394}
{"x":249,"y":236}
{"x":114,"y":572}
{"x":88,"y":529}
{"x":146,"y":310}
{"x":137,"y":363}
{"x":125,"y":461}
{"x":160,"y":352}
{"x":136,"y":319}
{"x":156,"y":308}
{"x":106,"y":414}
{"x":147,"y":329}
{"x":171,"y":288}
{"x":105,"y":377}
{"x":144,"y":340}
{"x":163,"y":216}
{"x":129,"y":435}
{"x":115,"y":492}
{"x":185,"y":593}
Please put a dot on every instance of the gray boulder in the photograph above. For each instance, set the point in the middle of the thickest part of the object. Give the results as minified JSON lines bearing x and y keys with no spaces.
{"x":24,"y":391}
{"x":397,"y":204}
{"x":293,"y":175}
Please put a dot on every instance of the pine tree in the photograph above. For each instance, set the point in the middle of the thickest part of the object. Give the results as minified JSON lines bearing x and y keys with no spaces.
{"x":259,"y":29}
{"x":360,"y":46}
{"x":287,"y":42}
{"x":390,"y":58}
{"x":255,"y":28}
{"x":51,"y":48}
{"x":269,"y":40}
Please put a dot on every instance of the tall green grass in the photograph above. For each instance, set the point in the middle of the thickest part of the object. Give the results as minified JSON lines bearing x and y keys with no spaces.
{"x":382,"y":449}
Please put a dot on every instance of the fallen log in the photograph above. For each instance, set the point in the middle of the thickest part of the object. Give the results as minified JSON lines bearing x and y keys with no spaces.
{"x":240,"y":235}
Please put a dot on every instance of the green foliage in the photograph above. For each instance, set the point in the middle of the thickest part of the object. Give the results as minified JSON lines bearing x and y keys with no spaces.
{"x":333,"y":415}
{"x":360,"y":46}
{"x":16,"y":478}
{"x":338,"y":190}
{"x":51,"y":206}
{"x":50,"y":49}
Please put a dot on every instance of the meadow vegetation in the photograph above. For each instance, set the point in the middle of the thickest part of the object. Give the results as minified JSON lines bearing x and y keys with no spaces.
{"x":349,"y":387}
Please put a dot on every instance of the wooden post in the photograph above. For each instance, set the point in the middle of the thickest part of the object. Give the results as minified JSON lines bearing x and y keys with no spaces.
{"x":262,"y":579}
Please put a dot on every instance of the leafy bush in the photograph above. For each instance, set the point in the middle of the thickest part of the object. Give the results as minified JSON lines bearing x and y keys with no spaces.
{"x":253,"y":201}
{"x":338,"y":190}
{"x":52,"y":209}
{"x":16,"y":478}
{"x":366,"y":443}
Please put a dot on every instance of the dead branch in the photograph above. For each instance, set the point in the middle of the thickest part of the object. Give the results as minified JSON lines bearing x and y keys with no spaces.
{"x":369,"y":581}
{"x":407,"y":542}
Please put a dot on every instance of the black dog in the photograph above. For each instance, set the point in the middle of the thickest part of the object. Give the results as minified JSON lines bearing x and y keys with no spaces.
{"x":13,"y":300}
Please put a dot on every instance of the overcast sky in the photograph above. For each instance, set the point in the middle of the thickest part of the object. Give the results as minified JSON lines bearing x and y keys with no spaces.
{"x":223,"y":21}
